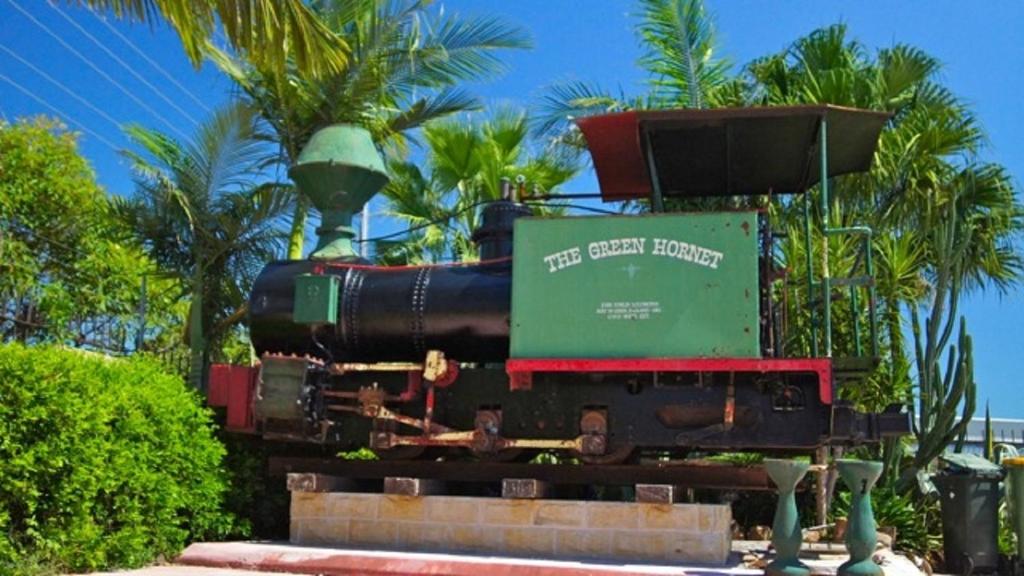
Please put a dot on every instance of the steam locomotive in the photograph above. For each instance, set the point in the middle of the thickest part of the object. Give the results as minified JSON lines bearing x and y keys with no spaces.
{"x":603,"y":337}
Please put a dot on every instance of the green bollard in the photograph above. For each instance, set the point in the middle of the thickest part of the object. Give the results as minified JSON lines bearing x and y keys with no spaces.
{"x":1015,"y":497}
{"x":786,"y":534}
{"x":861,"y":533}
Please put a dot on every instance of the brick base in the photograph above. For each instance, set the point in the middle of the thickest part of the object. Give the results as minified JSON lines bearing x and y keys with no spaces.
{"x":621,"y":531}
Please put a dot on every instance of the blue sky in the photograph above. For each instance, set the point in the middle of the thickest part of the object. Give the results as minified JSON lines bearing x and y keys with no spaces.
{"x":979,"y":43}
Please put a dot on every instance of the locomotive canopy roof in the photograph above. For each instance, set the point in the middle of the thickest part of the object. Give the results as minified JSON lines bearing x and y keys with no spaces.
{"x":727,"y":151}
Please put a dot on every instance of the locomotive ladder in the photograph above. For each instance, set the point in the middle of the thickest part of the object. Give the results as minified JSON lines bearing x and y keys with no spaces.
{"x":859,"y":363}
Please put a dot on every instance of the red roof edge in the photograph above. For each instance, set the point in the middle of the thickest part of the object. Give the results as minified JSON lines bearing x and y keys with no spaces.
{"x":615,"y":147}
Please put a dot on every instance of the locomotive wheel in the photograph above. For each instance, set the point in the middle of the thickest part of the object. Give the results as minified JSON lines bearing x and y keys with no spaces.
{"x":616,"y":456}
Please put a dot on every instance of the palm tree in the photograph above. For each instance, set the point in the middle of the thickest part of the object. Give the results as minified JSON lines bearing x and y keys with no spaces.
{"x":204,"y":220}
{"x":468,"y":160}
{"x":403,"y":67}
{"x":680,"y":57}
{"x":272,"y":33}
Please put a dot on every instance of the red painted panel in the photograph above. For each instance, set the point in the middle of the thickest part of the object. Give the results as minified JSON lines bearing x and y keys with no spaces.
{"x":219,"y":378}
{"x":241,"y":387}
{"x":615,"y":147}
{"x":821,"y":366}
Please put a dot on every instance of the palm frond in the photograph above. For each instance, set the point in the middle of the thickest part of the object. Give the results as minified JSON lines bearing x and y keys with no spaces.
{"x":432,"y":107}
{"x":197,"y":203}
{"x":468,"y":158}
{"x":227,"y":149}
{"x":453,"y":146}
{"x":506,"y":132}
{"x":679,"y":41}
{"x":827,"y":49}
{"x":564,"y":102}
{"x":464,"y":48}
{"x":902,"y":69}
{"x":902,"y":260}
{"x":985,"y":197}
{"x":269,"y":32}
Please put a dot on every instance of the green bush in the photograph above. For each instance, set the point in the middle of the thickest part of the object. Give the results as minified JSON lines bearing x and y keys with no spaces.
{"x":258,"y":500}
{"x":916,"y":520}
{"x":103,"y":462}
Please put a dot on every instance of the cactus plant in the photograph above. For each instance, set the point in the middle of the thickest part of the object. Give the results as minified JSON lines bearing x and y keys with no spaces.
{"x":945,"y":402}
{"x":946,"y":394}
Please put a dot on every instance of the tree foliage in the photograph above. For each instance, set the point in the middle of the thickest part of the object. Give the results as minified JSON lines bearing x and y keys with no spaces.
{"x":274,"y":33}
{"x":468,"y":159}
{"x":680,"y":44}
{"x":69,"y":270}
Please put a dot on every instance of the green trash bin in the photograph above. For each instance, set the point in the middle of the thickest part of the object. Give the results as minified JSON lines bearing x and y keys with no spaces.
{"x":969,"y":490}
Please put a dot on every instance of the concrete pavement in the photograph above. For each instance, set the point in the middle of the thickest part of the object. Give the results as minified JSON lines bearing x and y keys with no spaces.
{"x":189,"y":571}
{"x":242,"y":558}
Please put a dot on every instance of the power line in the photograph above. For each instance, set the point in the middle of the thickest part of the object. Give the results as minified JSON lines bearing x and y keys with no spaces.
{"x":152,"y":63}
{"x":58,"y":111}
{"x":454,"y":213}
{"x":69,"y":91}
{"x":123,"y":64}
{"x":97,"y":69}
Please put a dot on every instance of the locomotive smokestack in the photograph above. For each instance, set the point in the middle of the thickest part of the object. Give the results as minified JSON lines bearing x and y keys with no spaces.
{"x":339,"y":170}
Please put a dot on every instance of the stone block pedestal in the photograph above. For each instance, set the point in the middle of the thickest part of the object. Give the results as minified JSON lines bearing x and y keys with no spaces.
{"x":618,"y":531}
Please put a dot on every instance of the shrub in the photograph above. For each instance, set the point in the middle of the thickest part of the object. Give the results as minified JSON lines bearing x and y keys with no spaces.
{"x":915,"y":519}
{"x":258,"y":500}
{"x":103,"y":462}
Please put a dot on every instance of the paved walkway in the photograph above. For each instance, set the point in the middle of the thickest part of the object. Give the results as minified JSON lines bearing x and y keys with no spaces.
{"x":342,"y":562}
{"x":241,"y":558}
{"x":189,"y":571}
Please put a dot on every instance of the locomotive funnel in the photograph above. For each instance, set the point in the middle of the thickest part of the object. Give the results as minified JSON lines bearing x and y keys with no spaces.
{"x":339,"y":170}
